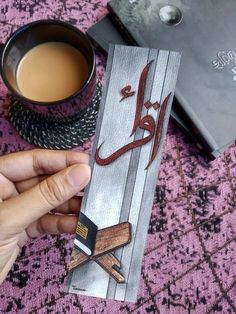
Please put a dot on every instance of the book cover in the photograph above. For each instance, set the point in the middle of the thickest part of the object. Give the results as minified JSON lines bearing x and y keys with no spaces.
{"x":130,"y":134}
{"x":106,"y":32}
{"x":202,"y":31}
{"x":86,"y":233}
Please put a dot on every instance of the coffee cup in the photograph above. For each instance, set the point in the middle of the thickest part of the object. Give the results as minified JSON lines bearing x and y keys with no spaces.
{"x":56,"y":38}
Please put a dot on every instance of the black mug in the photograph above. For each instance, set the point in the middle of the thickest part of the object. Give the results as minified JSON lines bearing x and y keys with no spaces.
{"x":36,"y":33}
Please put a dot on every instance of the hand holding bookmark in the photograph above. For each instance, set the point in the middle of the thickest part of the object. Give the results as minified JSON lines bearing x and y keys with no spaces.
{"x":32,"y":183}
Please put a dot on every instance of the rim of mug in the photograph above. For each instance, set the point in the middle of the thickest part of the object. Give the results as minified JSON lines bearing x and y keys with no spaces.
{"x":43,"y":22}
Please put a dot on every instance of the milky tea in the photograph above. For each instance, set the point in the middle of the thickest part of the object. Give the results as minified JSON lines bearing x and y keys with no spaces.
{"x":51,"y":71}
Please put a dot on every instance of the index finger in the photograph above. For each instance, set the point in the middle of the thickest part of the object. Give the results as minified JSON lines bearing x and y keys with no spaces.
{"x":27,"y":164}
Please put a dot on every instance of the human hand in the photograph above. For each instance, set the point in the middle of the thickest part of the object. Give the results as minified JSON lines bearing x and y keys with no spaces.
{"x":32,"y":183}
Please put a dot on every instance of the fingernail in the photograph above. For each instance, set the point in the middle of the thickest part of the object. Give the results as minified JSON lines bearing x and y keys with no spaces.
{"x":79,"y":175}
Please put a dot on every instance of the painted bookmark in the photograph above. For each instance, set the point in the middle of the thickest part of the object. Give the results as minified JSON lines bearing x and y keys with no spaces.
{"x":130,"y":133}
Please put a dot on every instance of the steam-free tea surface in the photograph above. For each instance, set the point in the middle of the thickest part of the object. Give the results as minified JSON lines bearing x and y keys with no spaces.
{"x":51,"y":71}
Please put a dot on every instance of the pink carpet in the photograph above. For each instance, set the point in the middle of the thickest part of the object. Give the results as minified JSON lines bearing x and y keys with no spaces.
{"x":190,"y":257}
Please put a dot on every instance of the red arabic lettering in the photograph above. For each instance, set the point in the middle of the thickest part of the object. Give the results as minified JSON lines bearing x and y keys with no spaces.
{"x":155,"y":105}
{"x":126,"y":92}
{"x":146,"y":123}
{"x":140,"y":97}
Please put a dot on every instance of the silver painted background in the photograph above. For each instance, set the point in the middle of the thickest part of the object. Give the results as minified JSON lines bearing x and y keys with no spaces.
{"x":124,"y":190}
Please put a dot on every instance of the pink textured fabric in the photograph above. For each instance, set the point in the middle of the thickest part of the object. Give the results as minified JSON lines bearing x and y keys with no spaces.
{"x":190,"y":257}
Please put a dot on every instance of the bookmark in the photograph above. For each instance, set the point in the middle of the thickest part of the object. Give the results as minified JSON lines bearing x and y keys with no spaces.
{"x":130,"y":133}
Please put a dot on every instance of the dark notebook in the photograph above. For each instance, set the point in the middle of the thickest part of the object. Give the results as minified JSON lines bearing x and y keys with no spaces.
{"x":86,"y":233}
{"x":105,"y":32}
{"x":203,"y":32}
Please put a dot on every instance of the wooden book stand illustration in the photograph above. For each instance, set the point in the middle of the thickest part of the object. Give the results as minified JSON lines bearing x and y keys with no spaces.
{"x":108,"y":240}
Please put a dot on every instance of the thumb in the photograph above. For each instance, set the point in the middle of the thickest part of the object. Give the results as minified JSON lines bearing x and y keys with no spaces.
{"x":27,"y":207}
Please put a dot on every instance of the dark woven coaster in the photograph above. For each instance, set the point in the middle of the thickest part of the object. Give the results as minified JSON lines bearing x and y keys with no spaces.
{"x":55,"y":133}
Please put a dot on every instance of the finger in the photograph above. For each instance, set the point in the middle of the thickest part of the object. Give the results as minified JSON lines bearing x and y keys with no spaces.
{"x":29,"y":183}
{"x":52,"y":224}
{"x":27,"y":207}
{"x":70,"y":207}
{"x":24,"y":165}
{"x":7,"y":188}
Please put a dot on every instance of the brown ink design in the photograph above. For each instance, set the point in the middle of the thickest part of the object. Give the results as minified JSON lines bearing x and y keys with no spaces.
{"x":146,"y":123}
{"x":126,"y":92}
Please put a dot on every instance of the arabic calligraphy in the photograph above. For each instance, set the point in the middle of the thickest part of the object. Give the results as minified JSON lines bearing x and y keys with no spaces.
{"x":146,"y":123}
{"x":126,"y":92}
{"x":223,"y":59}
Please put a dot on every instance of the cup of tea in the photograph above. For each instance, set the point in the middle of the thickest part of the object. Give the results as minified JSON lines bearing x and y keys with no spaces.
{"x":49,"y":65}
